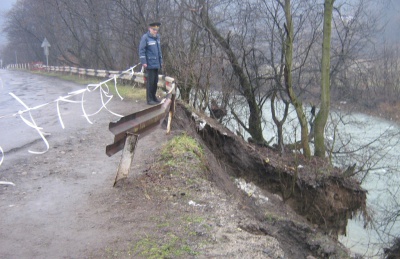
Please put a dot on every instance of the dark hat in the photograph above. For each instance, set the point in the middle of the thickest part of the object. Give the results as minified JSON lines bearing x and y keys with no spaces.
{"x":155,"y":24}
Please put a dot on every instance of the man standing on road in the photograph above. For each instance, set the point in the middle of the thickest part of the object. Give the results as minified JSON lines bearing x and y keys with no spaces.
{"x":151,"y":59}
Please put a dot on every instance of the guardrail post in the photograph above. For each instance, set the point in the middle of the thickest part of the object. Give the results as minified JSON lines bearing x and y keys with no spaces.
{"x":171,"y":113}
{"x":127,"y":156}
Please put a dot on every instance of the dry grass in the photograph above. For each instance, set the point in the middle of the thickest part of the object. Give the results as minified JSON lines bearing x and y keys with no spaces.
{"x":390,"y":110}
{"x":130,"y":92}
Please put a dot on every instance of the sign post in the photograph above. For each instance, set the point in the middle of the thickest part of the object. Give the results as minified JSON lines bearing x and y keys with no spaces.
{"x":46,"y":45}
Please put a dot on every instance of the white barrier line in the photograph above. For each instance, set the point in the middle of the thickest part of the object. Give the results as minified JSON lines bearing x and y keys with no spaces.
{"x":27,"y":109}
{"x":83,"y":108}
{"x":64,"y":99}
{"x":21,"y":102}
{"x":8,"y":116}
{"x":109,"y":99}
{"x":6,"y":183}
{"x":104,"y":90}
{"x":59,"y":115}
{"x":2,"y":155}
{"x":33,"y":125}
{"x":116,"y":88}
{"x":93,"y":87}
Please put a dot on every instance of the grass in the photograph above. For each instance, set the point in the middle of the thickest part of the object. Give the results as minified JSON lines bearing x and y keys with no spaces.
{"x":71,"y":77}
{"x":171,"y":235}
{"x":180,"y":149}
{"x":168,"y":245}
{"x":194,"y":219}
{"x":171,"y":247}
{"x":129,"y":92}
{"x":182,"y":154}
{"x":270,"y":217}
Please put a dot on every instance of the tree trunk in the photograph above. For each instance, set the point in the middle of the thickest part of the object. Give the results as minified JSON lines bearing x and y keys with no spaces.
{"x":288,"y":81}
{"x":322,"y":116}
{"x":279,"y":123}
{"x":254,"y":129}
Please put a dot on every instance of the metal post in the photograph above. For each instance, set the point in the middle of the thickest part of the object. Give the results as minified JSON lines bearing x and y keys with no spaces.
{"x":127,"y":156}
{"x":171,"y":113}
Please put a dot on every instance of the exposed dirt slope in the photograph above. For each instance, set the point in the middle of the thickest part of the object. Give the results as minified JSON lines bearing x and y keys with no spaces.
{"x":312,"y":188}
{"x":316,"y":190}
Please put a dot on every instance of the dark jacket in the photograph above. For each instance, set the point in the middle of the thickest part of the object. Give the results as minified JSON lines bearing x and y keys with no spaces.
{"x":150,"y":51}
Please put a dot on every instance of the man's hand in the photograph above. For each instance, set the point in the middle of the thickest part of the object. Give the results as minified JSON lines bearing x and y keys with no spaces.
{"x":143,"y":68}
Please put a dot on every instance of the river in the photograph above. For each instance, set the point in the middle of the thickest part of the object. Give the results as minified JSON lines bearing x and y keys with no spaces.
{"x":378,"y":152}
{"x":382,"y":183}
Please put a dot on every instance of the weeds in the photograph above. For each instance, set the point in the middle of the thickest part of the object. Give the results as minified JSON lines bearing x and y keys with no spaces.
{"x":172,"y":247}
{"x":126,"y":91}
{"x":172,"y":236}
{"x":180,"y":148}
{"x":181,"y":152}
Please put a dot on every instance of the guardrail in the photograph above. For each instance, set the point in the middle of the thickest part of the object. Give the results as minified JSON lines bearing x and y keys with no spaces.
{"x":135,"y":77}
{"x":128,"y":129}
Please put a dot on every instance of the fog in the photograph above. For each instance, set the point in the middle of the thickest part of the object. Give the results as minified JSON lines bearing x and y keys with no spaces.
{"x":391,"y":18}
{"x":5,"y":6}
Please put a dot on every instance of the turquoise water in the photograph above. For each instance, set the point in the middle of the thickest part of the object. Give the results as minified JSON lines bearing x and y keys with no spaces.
{"x":378,"y":142}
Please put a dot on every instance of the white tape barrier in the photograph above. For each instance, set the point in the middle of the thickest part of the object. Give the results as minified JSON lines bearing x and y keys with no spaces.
{"x":105,"y":97}
{"x":6,"y":183}
{"x":2,"y":155}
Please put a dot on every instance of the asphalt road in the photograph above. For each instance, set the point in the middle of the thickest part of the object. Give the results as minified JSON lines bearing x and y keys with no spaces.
{"x":36,"y":90}
{"x":60,"y":204}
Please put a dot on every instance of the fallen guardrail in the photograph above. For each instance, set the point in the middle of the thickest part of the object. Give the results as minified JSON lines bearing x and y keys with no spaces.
{"x":129,"y":129}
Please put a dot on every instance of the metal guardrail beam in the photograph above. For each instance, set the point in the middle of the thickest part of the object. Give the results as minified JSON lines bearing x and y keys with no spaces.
{"x":140,"y":123}
{"x":129,"y":129}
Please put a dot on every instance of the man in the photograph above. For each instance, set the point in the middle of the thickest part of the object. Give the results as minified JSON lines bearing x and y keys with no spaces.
{"x":151,"y":59}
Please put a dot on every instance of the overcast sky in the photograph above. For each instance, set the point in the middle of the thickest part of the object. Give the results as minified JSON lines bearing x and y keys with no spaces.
{"x":393,"y":19}
{"x":5,"y":5}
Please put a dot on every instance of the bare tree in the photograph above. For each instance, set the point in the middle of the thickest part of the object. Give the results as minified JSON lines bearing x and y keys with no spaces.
{"x":247,"y":87}
{"x":188,"y":54}
{"x":322,"y":116}
{"x":289,"y":83}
